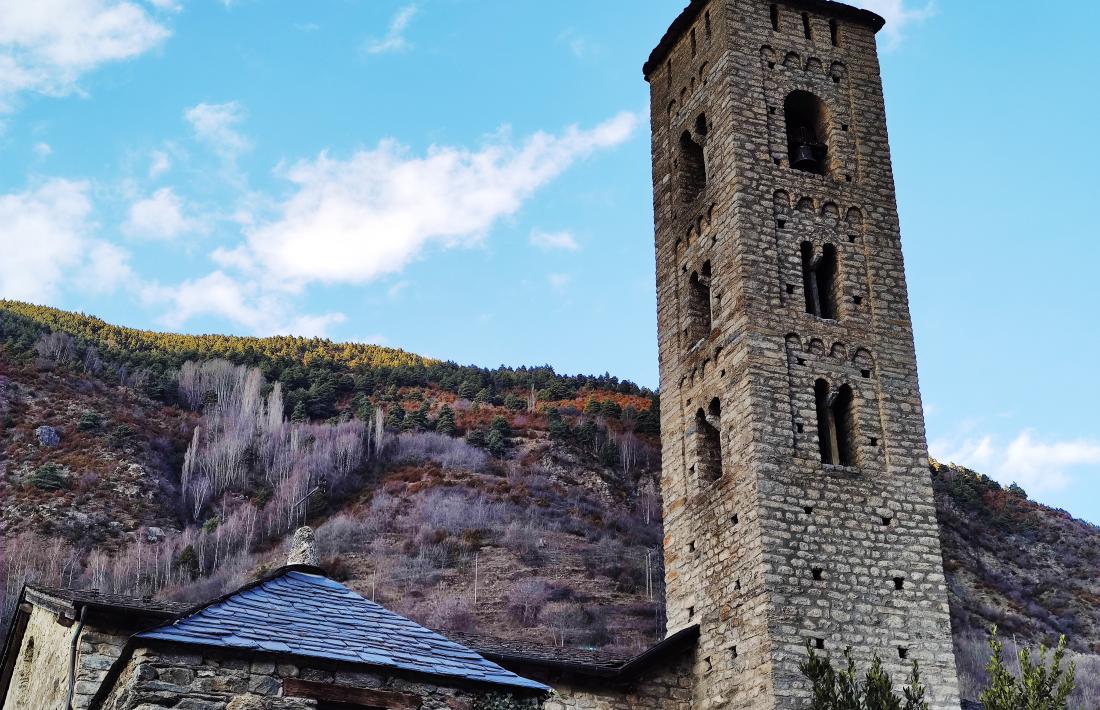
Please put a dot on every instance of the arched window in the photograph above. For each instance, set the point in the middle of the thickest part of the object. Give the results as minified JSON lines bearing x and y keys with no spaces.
{"x":693,"y":168}
{"x":698,"y":306}
{"x":709,"y":441}
{"x":807,"y":132}
{"x":819,"y":279}
{"x":835,"y":423}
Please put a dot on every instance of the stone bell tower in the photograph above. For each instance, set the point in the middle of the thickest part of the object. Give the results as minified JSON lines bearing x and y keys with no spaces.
{"x":798,"y":504}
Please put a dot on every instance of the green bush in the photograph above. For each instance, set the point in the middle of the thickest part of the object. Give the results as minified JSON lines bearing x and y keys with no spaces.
{"x":1041,"y":686}
{"x":843,"y":690}
{"x":49,"y":477}
{"x":89,"y":421}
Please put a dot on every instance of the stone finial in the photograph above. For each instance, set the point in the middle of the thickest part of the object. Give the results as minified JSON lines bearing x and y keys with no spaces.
{"x":303,"y":550}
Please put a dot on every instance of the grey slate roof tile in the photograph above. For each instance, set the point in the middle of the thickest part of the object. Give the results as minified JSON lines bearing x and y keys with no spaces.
{"x":310,"y":615}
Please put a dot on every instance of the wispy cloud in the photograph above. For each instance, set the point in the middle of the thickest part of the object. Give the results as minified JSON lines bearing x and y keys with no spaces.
{"x":42,"y":150}
{"x":559,"y":282}
{"x":554,"y":240}
{"x":216,"y":126}
{"x":47,"y":45}
{"x":899,"y":15}
{"x":159,"y":163}
{"x":395,"y":40}
{"x":160,"y":216}
{"x":579,"y":46}
{"x":1038,"y":465}
{"x":53,"y":227}
{"x":241,"y":302}
{"x":354,"y":220}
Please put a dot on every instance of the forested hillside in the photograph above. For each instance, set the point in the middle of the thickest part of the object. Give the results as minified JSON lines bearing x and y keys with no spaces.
{"x":507,"y":502}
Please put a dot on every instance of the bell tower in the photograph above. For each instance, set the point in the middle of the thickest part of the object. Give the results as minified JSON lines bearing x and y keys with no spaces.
{"x":797,"y":498}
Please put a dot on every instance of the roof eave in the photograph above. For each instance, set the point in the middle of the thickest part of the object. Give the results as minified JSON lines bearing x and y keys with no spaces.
{"x":686,"y":18}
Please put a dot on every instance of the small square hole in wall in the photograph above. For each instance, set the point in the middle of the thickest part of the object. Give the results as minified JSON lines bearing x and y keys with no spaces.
{"x":847,"y":178}
{"x":852,"y":238}
{"x":799,"y":428}
{"x":818,"y":574}
{"x":734,"y":519}
{"x":781,"y":223}
{"x":722,"y":373}
{"x":903,"y":652}
{"x":733,"y":652}
{"x":790,"y":288}
{"x":844,"y":126}
{"x":873,"y":441}
{"x":691,"y":612}
{"x":689,"y":401}
{"x":737,"y":585}
{"x":886,"y":520}
{"x":771,"y":65}
{"x":857,"y":300}
{"x":771,"y":109}
{"x":691,"y":546}
{"x":778,"y":161}
{"x":808,"y":509}
{"x":708,"y":663}
{"x":865,"y":374}
{"x":819,"y":644}
{"x":899,"y":583}
{"x":801,"y":361}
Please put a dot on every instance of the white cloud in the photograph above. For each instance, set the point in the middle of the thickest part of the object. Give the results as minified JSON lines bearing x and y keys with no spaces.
{"x":898,"y":15}
{"x":42,"y":150}
{"x":168,"y":5}
{"x":559,"y":281}
{"x":159,"y":163}
{"x":395,"y":40}
{"x":159,"y":216}
{"x":47,"y":45}
{"x":215,"y":125}
{"x":1036,"y":465}
{"x":244,"y":304}
{"x":47,"y":241}
{"x":554,"y":240}
{"x":351,"y":221}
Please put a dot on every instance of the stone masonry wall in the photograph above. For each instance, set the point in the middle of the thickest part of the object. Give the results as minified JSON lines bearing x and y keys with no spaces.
{"x":191,"y":681}
{"x":782,"y":550}
{"x":40,"y":679}
{"x":665,"y":686}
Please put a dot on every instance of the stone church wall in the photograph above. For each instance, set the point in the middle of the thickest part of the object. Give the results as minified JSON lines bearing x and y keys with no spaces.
{"x":188,"y":680}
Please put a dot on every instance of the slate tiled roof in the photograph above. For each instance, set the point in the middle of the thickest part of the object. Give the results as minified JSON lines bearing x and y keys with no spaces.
{"x":303,"y":614}
{"x":111,"y":602}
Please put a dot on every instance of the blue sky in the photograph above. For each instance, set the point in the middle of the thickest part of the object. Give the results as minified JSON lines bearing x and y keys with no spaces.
{"x":470,"y":179}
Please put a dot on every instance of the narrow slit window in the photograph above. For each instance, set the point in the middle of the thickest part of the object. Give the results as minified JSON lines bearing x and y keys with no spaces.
{"x":819,"y":280}
{"x":694,"y":45}
{"x":709,"y":441}
{"x":835,"y":419}
{"x":806,"y":25}
{"x":834,"y":32}
{"x":699,"y":307}
{"x":775,"y":18}
{"x":706,"y":27}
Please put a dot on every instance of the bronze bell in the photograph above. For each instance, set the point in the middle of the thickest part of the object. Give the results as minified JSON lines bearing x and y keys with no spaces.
{"x":805,"y":157}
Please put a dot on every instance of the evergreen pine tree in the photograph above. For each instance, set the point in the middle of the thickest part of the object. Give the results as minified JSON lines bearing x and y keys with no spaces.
{"x":445,"y":423}
{"x":468,"y":389}
{"x":395,"y":417}
{"x":300,"y":414}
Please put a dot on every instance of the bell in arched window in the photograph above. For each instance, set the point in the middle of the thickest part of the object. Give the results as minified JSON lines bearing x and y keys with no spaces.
{"x":805,"y":155}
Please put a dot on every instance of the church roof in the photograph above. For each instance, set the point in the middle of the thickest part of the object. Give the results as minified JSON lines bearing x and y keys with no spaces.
{"x":300,"y":612}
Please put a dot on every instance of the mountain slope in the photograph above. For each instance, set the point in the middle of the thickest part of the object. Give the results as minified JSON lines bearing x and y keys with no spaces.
{"x":510,"y":502}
